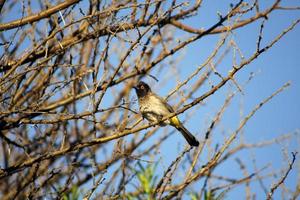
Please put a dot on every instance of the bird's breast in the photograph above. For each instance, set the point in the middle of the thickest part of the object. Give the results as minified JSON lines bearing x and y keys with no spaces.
{"x":153,"y":104}
{"x":153,"y":109}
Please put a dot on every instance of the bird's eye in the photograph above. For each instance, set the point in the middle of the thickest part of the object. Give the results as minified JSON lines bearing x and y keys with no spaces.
{"x":142,"y":87}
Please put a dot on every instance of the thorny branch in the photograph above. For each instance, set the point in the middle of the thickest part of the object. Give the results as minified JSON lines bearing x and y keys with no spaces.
{"x":68,"y":117}
{"x":281,"y":180}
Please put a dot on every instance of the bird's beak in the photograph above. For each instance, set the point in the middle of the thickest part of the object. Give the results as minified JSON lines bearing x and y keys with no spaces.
{"x":135,"y":87}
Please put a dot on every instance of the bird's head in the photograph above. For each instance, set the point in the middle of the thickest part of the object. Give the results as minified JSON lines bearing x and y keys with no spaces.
{"x":142,"y":89}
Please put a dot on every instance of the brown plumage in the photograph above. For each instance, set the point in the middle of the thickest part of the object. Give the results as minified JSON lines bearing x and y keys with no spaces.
{"x":154,"y":108}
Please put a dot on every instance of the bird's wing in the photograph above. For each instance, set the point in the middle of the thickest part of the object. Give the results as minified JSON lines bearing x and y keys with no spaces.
{"x":170,"y":109}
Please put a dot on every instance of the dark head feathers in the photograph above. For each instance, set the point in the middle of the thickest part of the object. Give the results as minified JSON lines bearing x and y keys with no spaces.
{"x":142,"y":89}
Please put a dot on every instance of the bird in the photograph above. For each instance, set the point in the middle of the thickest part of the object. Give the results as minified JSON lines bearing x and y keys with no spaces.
{"x":154,"y":108}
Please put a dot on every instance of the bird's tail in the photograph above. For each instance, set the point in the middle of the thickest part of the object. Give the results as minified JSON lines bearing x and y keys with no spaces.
{"x":187,"y":135}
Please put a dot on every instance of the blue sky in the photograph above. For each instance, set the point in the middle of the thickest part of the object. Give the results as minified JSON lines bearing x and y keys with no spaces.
{"x":272,"y":69}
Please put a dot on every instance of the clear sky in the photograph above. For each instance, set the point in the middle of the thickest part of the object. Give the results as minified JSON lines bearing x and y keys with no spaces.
{"x":272,"y":69}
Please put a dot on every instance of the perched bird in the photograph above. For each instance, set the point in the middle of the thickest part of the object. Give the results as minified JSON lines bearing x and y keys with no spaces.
{"x":154,"y":109}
